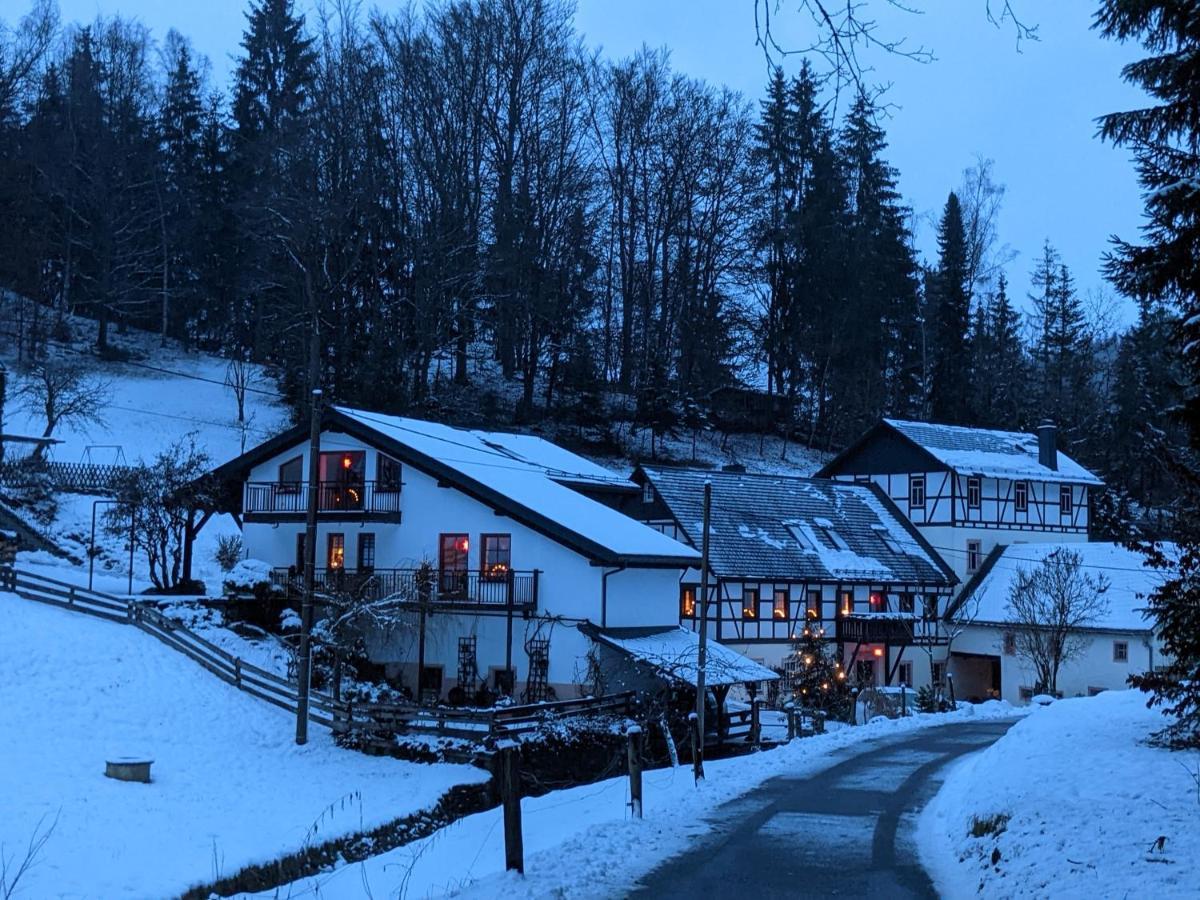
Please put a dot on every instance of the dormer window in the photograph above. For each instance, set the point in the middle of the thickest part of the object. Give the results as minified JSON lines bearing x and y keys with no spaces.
{"x":974,"y":492}
{"x":1066,"y":500}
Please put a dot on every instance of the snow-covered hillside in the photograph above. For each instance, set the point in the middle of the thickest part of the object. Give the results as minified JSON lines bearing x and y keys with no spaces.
{"x":1070,"y":803}
{"x":230,"y":787}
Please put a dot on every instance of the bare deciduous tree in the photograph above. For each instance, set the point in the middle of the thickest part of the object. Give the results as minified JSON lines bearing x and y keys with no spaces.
{"x":66,"y":394}
{"x":1048,"y":605}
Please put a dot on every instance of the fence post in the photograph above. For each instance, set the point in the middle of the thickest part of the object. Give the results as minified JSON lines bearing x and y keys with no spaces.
{"x":950,"y":684}
{"x":697,"y":746}
{"x":819,"y":722}
{"x":903,"y":701}
{"x":790,"y":709}
{"x":754,"y":722}
{"x":634,"y":737}
{"x":510,"y":795}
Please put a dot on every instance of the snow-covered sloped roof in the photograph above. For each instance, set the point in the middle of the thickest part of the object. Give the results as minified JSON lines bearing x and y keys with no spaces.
{"x":801,"y":529}
{"x":1130,"y":580}
{"x":529,"y":475}
{"x":994,"y":454}
{"x":673,"y":652}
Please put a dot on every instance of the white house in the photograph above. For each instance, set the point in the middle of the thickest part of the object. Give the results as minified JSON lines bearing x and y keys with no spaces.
{"x":493,"y":527}
{"x":1119,"y":643}
{"x":969,"y":490}
{"x":788,"y":552}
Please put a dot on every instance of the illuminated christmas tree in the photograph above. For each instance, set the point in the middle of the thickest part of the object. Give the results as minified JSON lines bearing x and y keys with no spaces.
{"x":814,"y":676}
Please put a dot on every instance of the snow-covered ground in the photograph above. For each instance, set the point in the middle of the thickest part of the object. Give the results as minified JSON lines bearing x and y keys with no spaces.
{"x":230,"y":786}
{"x":582,"y":843}
{"x":1087,"y":802}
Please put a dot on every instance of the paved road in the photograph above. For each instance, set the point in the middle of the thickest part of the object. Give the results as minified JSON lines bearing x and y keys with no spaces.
{"x":844,"y":832}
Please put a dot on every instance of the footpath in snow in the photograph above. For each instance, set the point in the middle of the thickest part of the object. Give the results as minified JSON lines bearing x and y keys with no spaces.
{"x":230,"y":786}
{"x":582,"y":843}
{"x":1070,"y":803}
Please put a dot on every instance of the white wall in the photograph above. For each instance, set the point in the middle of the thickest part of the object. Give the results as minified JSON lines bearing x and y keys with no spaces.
{"x":1094,"y":669}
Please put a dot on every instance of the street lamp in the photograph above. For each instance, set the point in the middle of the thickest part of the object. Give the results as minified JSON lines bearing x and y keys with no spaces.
{"x":92,"y":547}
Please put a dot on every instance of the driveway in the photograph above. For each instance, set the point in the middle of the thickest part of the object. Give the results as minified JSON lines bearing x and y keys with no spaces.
{"x":844,"y":832}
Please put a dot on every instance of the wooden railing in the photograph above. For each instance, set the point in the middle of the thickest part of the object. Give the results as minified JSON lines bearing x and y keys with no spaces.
{"x":332,"y":496}
{"x":81,"y":478}
{"x":882,"y":628}
{"x":341,"y":716}
{"x":490,"y":590}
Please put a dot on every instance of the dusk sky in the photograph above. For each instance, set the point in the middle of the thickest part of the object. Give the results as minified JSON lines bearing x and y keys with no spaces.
{"x":1032,"y":110}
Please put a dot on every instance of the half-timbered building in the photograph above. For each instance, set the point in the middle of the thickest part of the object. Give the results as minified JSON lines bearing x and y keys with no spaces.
{"x":488,"y":532}
{"x":788,"y":551}
{"x":970,"y":489}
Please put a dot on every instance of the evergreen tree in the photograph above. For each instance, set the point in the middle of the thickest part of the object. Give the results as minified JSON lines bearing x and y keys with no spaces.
{"x":1064,"y":349}
{"x":814,"y":676}
{"x":951,"y":304}
{"x":1165,"y":136}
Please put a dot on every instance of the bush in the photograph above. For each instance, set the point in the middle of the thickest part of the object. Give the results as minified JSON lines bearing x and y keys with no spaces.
{"x":229,"y":551}
{"x":985,"y":825}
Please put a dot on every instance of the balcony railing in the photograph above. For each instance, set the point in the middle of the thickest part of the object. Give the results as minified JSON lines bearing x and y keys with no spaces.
{"x":332,"y":496}
{"x":888,"y":628}
{"x":455,"y":588}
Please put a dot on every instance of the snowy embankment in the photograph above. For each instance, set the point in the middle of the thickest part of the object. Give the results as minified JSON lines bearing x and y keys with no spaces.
{"x":1071,"y":802}
{"x":230,"y":786}
{"x":582,"y":843}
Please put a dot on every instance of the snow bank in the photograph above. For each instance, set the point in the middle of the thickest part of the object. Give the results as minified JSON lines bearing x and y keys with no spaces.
{"x":230,"y":786}
{"x":582,"y":843}
{"x":1087,"y":800}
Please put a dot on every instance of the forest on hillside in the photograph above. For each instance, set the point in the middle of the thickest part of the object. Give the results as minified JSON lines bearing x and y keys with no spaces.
{"x":449,"y":194}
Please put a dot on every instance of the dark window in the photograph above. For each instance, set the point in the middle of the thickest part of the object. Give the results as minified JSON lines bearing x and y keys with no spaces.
{"x":814,"y":606}
{"x":1066,"y":500}
{"x":780,"y":608}
{"x":907,"y":603}
{"x":916,"y":491}
{"x":647,"y":492}
{"x":1120,"y":651}
{"x":1010,"y":644}
{"x":337,"y":551}
{"x":974,"y":552}
{"x":749,"y":603}
{"x":864,"y":669}
{"x":366,"y":552}
{"x":974,"y":492}
{"x":906,"y":674}
{"x":496,"y":555}
{"x":291,"y":475}
{"x":687,"y":602}
{"x":431,"y":682}
{"x":1021,"y":496}
{"x":387,"y":477}
{"x":931,"y":606}
{"x":938,"y":674}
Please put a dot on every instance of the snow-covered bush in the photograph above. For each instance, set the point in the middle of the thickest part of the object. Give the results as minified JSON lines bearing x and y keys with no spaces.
{"x":229,"y":551}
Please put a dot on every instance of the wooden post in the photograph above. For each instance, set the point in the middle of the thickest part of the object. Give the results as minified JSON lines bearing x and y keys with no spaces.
{"x":818,"y":722}
{"x":903,"y":701}
{"x":702,"y":656}
{"x":634,"y":736}
{"x":304,"y":665}
{"x":510,"y":796}
{"x":791,"y":722}
{"x":950,"y":684}
{"x":754,"y":722}
{"x":697,"y":745}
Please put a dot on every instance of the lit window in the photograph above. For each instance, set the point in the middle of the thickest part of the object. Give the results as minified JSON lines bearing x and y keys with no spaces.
{"x":496,"y":555}
{"x":814,"y":605}
{"x":846,"y":604}
{"x":878,"y":604}
{"x":1066,"y":500}
{"x":780,"y":608}
{"x":749,"y":603}
{"x":974,"y":492}
{"x":916,"y":491}
{"x":1021,"y":496}
{"x":1120,"y":651}
{"x":337,"y":551}
{"x":687,"y":602}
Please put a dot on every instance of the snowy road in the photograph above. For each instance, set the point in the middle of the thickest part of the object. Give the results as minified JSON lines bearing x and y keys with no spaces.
{"x":847,"y":831}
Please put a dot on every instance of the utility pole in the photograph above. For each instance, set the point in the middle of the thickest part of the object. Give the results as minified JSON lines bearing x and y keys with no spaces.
{"x":698,"y":750}
{"x":304,"y":666}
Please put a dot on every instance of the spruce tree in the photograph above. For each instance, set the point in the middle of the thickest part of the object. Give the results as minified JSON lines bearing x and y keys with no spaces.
{"x":1165,"y":137}
{"x":952,"y":311}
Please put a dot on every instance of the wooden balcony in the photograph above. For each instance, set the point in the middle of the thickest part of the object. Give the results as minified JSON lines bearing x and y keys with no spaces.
{"x":896,"y":629}
{"x":465,"y":590}
{"x":275,"y":501}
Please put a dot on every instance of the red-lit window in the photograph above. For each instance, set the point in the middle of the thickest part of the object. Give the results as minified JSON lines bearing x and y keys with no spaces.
{"x":453,"y":551}
{"x":878,"y":603}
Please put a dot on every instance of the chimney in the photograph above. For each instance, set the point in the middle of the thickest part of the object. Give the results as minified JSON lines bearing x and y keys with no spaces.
{"x":1048,"y":444}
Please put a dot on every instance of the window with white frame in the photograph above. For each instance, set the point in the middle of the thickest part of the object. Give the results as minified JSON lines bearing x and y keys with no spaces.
{"x":906,"y":674}
{"x":1120,"y":651}
{"x":974,"y":555}
{"x":974,"y":492}
{"x":1021,"y":496}
{"x":916,"y":491}
{"x":1066,"y":500}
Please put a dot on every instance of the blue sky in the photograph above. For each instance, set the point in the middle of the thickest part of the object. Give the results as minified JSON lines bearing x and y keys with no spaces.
{"x":1031,"y":110}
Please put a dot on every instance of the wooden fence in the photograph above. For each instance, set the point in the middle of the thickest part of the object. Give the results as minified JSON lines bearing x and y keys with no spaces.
{"x":79,"y":478}
{"x":374,"y":719}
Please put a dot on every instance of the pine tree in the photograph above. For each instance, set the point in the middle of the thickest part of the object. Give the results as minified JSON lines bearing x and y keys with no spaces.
{"x":814,"y":676}
{"x":1165,"y":138}
{"x":952,"y":311}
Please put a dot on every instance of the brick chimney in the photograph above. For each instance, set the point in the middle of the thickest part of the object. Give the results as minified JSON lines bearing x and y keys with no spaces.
{"x":1048,"y":444}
